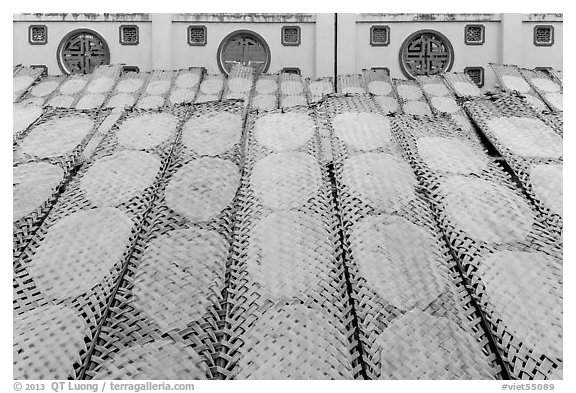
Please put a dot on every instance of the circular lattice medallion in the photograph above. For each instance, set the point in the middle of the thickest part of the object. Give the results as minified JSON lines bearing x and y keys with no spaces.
{"x":82,"y":50}
{"x":245,"y":47}
{"x":426,"y":52}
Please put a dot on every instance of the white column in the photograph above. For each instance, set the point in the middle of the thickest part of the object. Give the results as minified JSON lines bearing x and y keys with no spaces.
{"x":161,"y":41}
{"x":346,"y":44}
{"x":511,"y":39}
{"x":324,"y":45}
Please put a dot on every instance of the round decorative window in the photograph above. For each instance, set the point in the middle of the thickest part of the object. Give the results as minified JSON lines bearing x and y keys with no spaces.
{"x":80,"y":51}
{"x":426,"y":52}
{"x":245,"y":47}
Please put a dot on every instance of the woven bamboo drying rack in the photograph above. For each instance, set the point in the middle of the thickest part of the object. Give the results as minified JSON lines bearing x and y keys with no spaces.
{"x":312,"y":97}
{"x":134,"y":95}
{"x":33,"y":73}
{"x":482,"y":110}
{"x":382,"y":76}
{"x":454,"y":78}
{"x":273,"y":95}
{"x":250,"y":305}
{"x":510,"y":70}
{"x":398,"y":84}
{"x":285,"y":100}
{"x":91,"y":305}
{"x":243,"y":73}
{"x":354,"y":82}
{"x":104,"y":71}
{"x":156,"y":76}
{"x":554,"y":120}
{"x":61,"y":99}
{"x":531,"y":74}
{"x":557,"y":75}
{"x":19,"y":134}
{"x":374,"y":313}
{"x":192,"y":91}
{"x":216,"y":96}
{"x":33,"y":98}
{"x":519,"y":360}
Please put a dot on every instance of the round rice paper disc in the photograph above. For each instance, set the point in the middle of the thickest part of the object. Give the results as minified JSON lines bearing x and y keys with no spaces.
{"x":212,"y":134}
{"x":42,"y":89}
{"x":291,"y":101}
{"x":188,"y":80}
{"x":319,"y":88}
{"x":289,"y":254}
{"x":129,"y":85}
{"x":21,"y":82}
{"x":536,"y":103}
{"x":24,"y":115}
{"x":546,"y":181}
{"x":121,"y":100}
{"x":466,"y":89}
{"x":158,"y":360}
{"x":409,"y":92}
{"x":91,"y":101}
{"x":398,"y":259}
{"x":363,"y":131}
{"x":417,"y":345}
{"x":291,"y":88}
{"x":486,"y":211}
{"x":175,"y":268}
{"x":545,"y":85}
{"x":527,"y":137}
{"x":352,"y":90}
{"x":180,"y":96}
{"x":151,"y":102}
{"x":266,"y":86}
{"x":516,"y":83}
{"x":445,"y":104}
{"x":435,"y":89}
{"x":462,"y":121}
{"x":61,"y":101}
{"x":100,"y":85}
{"x":115,"y":179}
{"x":294,"y":343}
{"x":286,"y":180}
{"x":47,"y":342}
{"x":33,"y":184}
{"x":520,"y":287}
{"x":211,"y":86}
{"x":264,"y":102}
{"x":284,"y":131}
{"x":382,"y":181}
{"x":207,"y":98}
{"x":388,"y":104}
{"x":79,"y":251}
{"x":200,"y":190}
{"x":555,"y":99}
{"x":57,"y":137}
{"x":72,"y":86}
{"x":379,"y":88}
{"x":158,"y":87}
{"x":417,"y":108}
{"x":452,"y":155}
{"x":239,"y":85}
{"x":147,"y":131}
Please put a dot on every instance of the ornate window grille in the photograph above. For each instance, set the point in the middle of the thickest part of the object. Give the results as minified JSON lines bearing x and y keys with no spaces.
{"x":474,"y":35}
{"x":476,"y":74}
{"x":37,"y":35}
{"x":129,"y":35}
{"x":379,"y":35}
{"x":197,"y":35}
{"x":82,"y":50}
{"x":426,"y":52}
{"x":291,"y":35}
{"x":543,"y":35}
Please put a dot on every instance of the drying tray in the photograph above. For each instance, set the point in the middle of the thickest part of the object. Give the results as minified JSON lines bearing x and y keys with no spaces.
{"x":40,"y":98}
{"x":133,"y":95}
{"x":202,"y":97}
{"x":313,"y":97}
{"x":33,"y":73}
{"x":156,"y":76}
{"x":453,"y":78}
{"x":383,"y":76}
{"x":190,"y":91}
{"x":511,"y":70}
{"x":272,"y":96}
{"x":401,"y":83}
{"x":287,"y":101}
{"x":353,"y":82}
{"x":531,"y":74}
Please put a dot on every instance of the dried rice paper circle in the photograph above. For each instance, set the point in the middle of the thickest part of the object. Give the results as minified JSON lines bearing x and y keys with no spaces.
{"x":435,"y":343}
{"x":266,"y":86}
{"x":212,"y":134}
{"x":527,"y":137}
{"x":47,"y":342}
{"x":546,"y":181}
{"x":445,"y":104}
{"x":158,"y":360}
{"x":284,"y":131}
{"x":73,"y":86}
{"x":417,"y":108}
{"x":516,"y":83}
{"x":398,"y":259}
{"x":435,"y":89}
{"x":91,"y":101}
{"x":520,"y":287}
{"x":382,"y":181}
{"x":363,"y":131}
{"x":486,"y":211}
{"x":239,"y":85}
{"x":289,"y":253}
{"x":21,"y":83}
{"x":207,"y":98}
{"x":452,"y":155}
{"x":409,"y":92}
{"x":353,"y":90}
{"x":182,"y":95}
{"x":307,"y":332}
{"x":121,"y":100}
{"x":147,"y":131}
{"x":115,"y":179}
{"x":151,"y":102}
{"x":200,"y":190}
{"x":61,"y":101}
{"x":466,"y":89}
{"x":291,"y":101}
{"x":129,"y":85}
{"x":264,"y":102}
{"x":286,"y":180}
{"x":212,"y":86}
{"x":57,"y":137}
{"x":319,"y":88}
{"x":379,"y":88}
{"x":175,"y":268}
{"x":100,"y":85}
{"x":42,"y":89}
{"x":79,"y":251}
{"x":536,"y":103}
{"x":545,"y":85}
{"x":158,"y":87}
{"x":555,"y":99}
{"x":33,"y":184}
{"x":292,"y":88}
{"x":187,"y":80}
{"x":24,"y":115}
{"x":388,"y":104}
